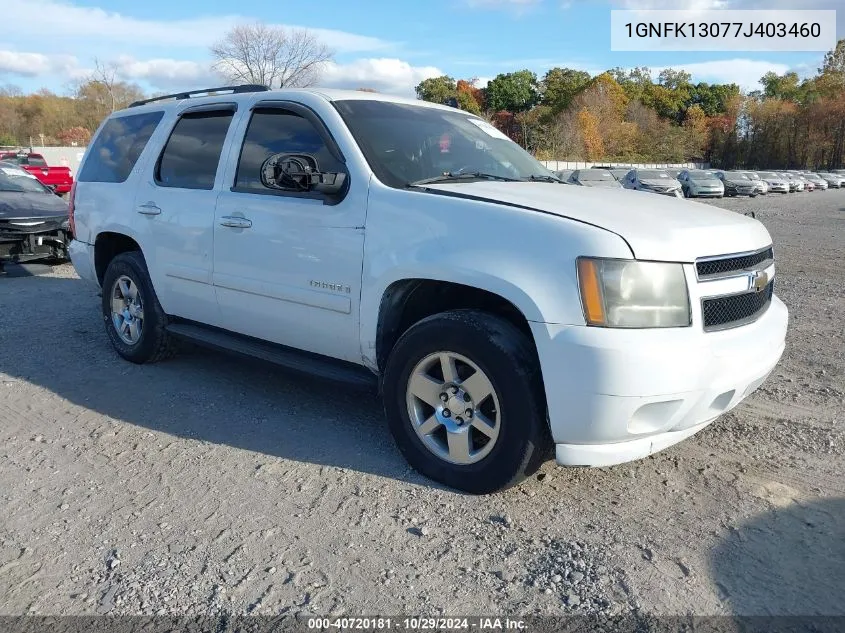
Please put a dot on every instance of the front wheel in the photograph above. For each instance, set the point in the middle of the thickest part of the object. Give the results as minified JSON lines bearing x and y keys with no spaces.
{"x":464,"y":401}
{"x":134,"y":320}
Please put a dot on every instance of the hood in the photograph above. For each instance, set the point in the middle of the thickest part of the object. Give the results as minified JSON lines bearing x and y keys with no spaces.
{"x":669,"y":183}
{"x":30,"y":205}
{"x":659,"y":228}
{"x":706,"y":182}
{"x":740,"y":183}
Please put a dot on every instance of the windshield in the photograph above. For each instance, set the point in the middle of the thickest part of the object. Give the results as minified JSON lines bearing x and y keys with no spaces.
{"x":406,"y":143}
{"x":698,"y":174}
{"x":14,"y":180}
{"x":768,"y":174}
{"x":596,"y":174}
{"x":648,"y":174}
{"x":737,"y":175}
{"x":752,"y":175}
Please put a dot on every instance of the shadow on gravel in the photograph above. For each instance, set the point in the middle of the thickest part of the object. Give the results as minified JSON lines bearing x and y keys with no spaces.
{"x":51,"y":335}
{"x":788,"y":561}
{"x":23,"y":270}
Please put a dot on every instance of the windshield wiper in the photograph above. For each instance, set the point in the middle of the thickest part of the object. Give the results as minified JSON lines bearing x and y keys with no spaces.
{"x":451,"y":177}
{"x":536,"y":178}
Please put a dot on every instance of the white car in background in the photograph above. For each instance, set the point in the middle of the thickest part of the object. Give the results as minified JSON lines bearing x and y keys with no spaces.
{"x":795,"y":183}
{"x":653,"y":181}
{"x":775,"y":182}
{"x":700,"y":183}
{"x":762,"y":186}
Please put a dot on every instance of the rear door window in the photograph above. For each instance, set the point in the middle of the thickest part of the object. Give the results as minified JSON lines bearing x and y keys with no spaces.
{"x":192,"y":153}
{"x":114,"y":152}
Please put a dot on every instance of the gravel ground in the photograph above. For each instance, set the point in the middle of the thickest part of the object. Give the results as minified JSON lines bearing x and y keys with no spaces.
{"x":210,"y":484}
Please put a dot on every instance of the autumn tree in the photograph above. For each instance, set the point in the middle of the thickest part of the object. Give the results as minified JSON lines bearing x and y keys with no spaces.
{"x":591,"y":135}
{"x":469,"y":97}
{"x":271,"y":56}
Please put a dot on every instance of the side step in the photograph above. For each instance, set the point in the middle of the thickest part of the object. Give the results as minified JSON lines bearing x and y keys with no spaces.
{"x":296,"y":360}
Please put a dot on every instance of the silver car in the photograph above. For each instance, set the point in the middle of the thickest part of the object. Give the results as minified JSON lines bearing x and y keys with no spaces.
{"x":762,"y":186}
{"x":776,"y":183}
{"x":700,"y":183}
{"x":594,"y":178}
{"x":817,"y":180}
{"x":737,"y":183}
{"x":834,"y":181}
{"x":795,"y":184}
{"x":652,"y":181}
{"x":563,"y":174}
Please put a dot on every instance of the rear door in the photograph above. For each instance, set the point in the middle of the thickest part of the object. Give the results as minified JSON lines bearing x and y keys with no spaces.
{"x":175,"y":204}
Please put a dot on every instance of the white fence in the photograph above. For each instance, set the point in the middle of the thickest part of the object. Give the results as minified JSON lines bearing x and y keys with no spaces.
{"x":556,"y":165}
{"x":62,"y":156}
{"x":72,"y":156}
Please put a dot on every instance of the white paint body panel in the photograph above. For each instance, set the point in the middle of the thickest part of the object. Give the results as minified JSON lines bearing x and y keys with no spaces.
{"x":517,"y":240}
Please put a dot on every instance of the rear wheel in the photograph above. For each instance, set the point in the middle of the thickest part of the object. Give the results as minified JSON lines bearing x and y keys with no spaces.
{"x":134,"y":320}
{"x":464,"y":401}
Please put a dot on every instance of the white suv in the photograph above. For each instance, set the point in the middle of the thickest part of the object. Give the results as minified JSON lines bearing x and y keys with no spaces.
{"x":505,"y":317}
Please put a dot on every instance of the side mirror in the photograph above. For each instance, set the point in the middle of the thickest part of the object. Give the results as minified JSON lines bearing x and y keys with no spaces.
{"x":299,"y":172}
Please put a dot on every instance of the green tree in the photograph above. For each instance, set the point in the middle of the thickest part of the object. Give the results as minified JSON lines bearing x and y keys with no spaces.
{"x":635,"y":82}
{"x":712,"y":99}
{"x":785,"y":87}
{"x":560,"y":85}
{"x":436,"y":89}
{"x":513,"y":92}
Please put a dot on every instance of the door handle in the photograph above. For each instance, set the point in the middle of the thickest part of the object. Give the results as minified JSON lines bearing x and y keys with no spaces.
{"x":235,"y":222}
{"x":149,"y":209}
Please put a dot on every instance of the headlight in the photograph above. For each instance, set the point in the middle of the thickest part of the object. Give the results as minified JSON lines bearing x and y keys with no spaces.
{"x":632,"y":294}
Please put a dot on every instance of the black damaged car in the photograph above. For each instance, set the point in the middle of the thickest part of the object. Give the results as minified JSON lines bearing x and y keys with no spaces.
{"x":33,"y":220}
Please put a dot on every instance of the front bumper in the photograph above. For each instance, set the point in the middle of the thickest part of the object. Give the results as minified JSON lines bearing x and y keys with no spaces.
{"x":616,"y":395}
{"x":82,"y":258}
{"x":22,"y":246}
{"x":707,"y":193}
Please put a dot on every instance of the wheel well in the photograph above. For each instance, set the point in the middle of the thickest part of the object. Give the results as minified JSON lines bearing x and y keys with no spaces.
{"x":107,"y":247}
{"x":409,"y":301}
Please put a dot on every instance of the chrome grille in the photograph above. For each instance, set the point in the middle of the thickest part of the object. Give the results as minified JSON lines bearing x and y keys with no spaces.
{"x":724,"y":265}
{"x":732,"y":311}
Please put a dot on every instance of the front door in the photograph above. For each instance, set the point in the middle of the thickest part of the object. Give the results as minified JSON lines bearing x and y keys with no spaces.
{"x":287,"y":260}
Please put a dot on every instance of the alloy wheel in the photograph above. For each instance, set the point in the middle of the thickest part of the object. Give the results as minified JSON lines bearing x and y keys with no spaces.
{"x":127,"y":310}
{"x":453,"y":408}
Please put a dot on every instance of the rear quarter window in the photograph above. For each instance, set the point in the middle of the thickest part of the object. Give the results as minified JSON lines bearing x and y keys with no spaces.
{"x":118,"y":146}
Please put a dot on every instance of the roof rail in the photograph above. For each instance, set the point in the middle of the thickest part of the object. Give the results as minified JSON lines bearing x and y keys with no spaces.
{"x":190,"y":93}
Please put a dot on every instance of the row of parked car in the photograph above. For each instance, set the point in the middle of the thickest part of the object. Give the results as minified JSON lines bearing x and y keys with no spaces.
{"x":703,"y":183}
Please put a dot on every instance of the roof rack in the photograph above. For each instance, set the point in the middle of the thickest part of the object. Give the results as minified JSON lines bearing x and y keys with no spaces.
{"x":190,"y":93}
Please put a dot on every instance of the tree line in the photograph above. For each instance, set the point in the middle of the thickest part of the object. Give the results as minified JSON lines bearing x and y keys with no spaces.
{"x":630,"y":116}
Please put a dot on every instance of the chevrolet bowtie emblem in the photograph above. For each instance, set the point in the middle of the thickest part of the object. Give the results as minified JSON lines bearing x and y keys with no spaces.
{"x":759,"y":280}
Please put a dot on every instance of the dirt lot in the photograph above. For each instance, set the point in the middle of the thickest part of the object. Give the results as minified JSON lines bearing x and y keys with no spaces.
{"x":209,"y":483}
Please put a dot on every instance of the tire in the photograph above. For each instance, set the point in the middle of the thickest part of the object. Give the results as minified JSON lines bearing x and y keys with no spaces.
{"x":152,"y":341}
{"x":507,"y":359}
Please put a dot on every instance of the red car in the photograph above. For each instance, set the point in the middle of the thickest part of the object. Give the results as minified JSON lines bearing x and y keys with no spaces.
{"x":59,"y":179}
